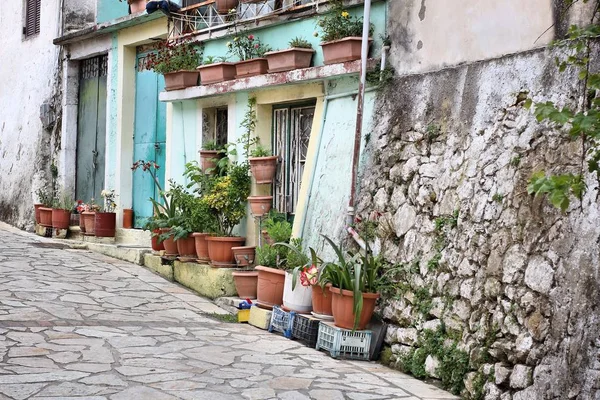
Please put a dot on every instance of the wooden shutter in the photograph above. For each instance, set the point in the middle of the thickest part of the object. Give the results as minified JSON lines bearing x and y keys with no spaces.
{"x":32,"y":17}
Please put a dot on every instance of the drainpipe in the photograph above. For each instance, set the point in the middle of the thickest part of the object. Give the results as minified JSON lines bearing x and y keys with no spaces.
{"x":359,"y":111}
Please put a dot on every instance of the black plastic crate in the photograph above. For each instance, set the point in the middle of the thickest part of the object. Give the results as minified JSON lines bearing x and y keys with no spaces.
{"x":306,"y":329}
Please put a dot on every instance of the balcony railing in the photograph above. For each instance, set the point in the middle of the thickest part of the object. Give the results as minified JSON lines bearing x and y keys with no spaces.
{"x":205,"y":17}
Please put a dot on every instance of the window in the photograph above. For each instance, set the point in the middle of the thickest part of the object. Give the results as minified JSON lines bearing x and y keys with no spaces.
{"x":32,"y":18}
{"x":291,"y":132}
{"x":214,"y":125}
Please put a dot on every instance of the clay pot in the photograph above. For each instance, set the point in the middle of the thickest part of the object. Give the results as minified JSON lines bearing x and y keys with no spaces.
{"x":223,"y":6}
{"x":137,"y":6}
{"x":81,"y":223}
{"x":244,"y":255}
{"x":201,"y":246}
{"x":155,"y":245}
{"x":342,"y":307}
{"x":209,"y":160}
{"x":186,"y":247}
{"x":263,"y":168}
{"x":105,"y":225}
{"x":246,"y":283}
{"x":37,"y":212}
{"x":321,"y":300}
{"x":287,"y":60}
{"x":217,"y":72}
{"x":181,"y":79}
{"x":89,"y":219}
{"x":60,"y":218}
{"x":45,"y":216}
{"x":260,"y":205}
{"x":270,"y":286}
{"x":342,"y":50}
{"x":253,"y":67}
{"x":74,"y":219}
{"x":219,"y":250}
{"x":169,"y":244}
{"x":127,"y":218}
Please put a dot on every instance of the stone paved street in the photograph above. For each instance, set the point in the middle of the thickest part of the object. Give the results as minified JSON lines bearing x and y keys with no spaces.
{"x":74,"y":324}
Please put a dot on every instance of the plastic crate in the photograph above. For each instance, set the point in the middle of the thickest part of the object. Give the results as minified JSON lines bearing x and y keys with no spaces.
{"x":243,"y":315}
{"x":344,"y":343}
{"x":306,"y":329}
{"x":282,"y":321}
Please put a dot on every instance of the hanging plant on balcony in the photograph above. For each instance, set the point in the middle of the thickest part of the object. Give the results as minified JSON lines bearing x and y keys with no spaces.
{"x":177,"y":62}
{"x":250,"y":50}
{"x":341,"y":35}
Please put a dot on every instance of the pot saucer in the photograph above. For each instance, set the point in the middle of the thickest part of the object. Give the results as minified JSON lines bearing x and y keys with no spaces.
{"x":322,"y":316}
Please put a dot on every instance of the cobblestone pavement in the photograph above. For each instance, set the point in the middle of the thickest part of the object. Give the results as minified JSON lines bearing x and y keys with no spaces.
{"x":74,"y":324}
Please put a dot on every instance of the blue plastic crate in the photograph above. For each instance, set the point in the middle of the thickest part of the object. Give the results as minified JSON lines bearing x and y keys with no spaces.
{"x":344,"y":343}
{"x":282,"y":321}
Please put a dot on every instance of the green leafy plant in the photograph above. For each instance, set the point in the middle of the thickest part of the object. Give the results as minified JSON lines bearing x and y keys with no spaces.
{"x":247,"y":46}
{"x":213,"y":60}
{"x":279,"y":231}
{"x":300,"y":42}
{"x":44,"y":197}
{"x":171,"y":57}
{"x":211,"y":145}
{"x":260,"y":151}
{"x":338,"y":24}
{"x":558,"y":188}
{"x":64,"y":202}
{"x":267,"y":255}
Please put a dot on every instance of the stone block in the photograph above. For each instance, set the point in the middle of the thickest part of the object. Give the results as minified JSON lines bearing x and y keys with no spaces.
{"x":539,"y":275}
{"x":431,"y":366}
{"x":406,"y":336}
{"x":207,"y":281}
{"x":130,"y":254}
{"x":155,"y":263}
{"x":521,"y":376}
{"x":260,"y":318}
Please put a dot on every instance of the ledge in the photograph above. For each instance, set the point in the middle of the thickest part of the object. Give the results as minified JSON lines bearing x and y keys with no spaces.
{"x":296,"y":76}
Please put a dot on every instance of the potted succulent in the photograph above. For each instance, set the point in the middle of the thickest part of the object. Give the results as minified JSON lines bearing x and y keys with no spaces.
{"x":136,"y":6}
{"x":210,"y":155}
{"x":354,"y":279}
{"x":250,"y":52}
{"x":215,"y":70}
{"x":227,"y":198}
{"x":106,"y":219}
{"x":342,"y":36}
{"x":263,"y":165}
{"x":299,"y":55}
{"x":61,"y":212}
{"x":177,"y":62}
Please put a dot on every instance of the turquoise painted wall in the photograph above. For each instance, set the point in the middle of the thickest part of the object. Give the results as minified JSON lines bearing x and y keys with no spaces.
{"x":107,"y":10}
{"x":278,"y":36}
{"x":111,"y":126}
{"x":183,"y":141}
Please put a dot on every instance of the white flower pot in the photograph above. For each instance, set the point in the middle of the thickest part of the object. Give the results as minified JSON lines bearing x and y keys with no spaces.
{"x":299,"y":299}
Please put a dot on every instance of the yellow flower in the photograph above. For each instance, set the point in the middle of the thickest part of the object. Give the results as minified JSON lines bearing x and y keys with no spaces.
{"x":235,"y":39}
{"x":228,"y":44}
{"x":345,"y":14}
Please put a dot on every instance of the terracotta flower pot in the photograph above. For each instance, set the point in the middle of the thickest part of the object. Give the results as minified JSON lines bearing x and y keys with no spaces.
{"x":81,"y":223}
{"x":155,"y":245}
{"x":289,"y":59}
{"x":37,"y":212}
{"x":74,"y":219}
{"x":89,"y":219}
{"x":223,"y":6}
{"x":246,"y":283}
{"x":342,"y":50}
{"x":217,"y":72}
{"x":244,"y":255}
{"x":186,"y":247}
{"x":181,"y":79}
{"x":105,"y":225}
{"x":137,"y":6}
{"x":263,"y":168}
{"x":45,"y":216}
{"x":201,"y":246}
{"x":342,"y":307}
{"x":270,"y":286}
{"x":209,"y":160}
{"x":321,"y":300}
{"x":219,"y":250}
{"x":127,"y":218}
{"x":169,"y":244}
{"x":60,"y":218}
{"x":260,"y":205}
{"x":253,"y":67}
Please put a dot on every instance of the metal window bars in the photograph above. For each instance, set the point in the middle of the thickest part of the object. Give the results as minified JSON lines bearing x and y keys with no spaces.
{"x":205,"y":16}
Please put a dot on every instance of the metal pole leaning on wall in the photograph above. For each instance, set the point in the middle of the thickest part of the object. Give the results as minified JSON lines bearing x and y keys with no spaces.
{"x":359,"y":111}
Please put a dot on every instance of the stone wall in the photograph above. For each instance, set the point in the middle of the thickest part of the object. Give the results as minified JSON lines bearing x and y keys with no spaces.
{"x":475,"y":260}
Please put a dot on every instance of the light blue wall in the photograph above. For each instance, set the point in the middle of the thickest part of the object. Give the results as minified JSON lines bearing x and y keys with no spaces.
{"x":107,"y":10}
{"x":111,"y":125}
{"x":184,"y":136}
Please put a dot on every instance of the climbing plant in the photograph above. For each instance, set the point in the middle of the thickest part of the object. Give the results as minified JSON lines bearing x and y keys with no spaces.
{"x":579,"y":122}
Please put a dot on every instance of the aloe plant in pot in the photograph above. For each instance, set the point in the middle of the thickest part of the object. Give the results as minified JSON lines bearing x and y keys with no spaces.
{"x":297,"y":297}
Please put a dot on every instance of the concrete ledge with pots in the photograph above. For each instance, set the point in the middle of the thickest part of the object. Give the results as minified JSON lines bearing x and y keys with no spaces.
{"x":207,"y":281}
{"x":157,"y":264}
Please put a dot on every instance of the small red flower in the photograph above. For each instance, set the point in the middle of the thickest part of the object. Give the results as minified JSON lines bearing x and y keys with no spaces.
{"x":251,"y":37}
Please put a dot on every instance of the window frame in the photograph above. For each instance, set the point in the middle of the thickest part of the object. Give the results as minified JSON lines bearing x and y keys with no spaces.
{"x":35,"y":7}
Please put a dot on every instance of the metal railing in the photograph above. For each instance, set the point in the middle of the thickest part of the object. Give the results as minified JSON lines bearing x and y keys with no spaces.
{"x":206,"y":17}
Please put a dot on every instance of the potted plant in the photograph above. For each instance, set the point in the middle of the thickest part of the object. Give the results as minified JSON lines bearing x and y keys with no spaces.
{"x":263,"y":165}
{"x":45,"y":201}
{"x":136,"y":6}
{"x":297,"y":298}
{"x":61,"y":212}
{"x":210,"y":155}
{"x":299,"y":55}
{"x":342,"y":36}
{"x":250,"y":52}
{"x":215,"y":70}
{"x":260,"y":205}
{"x":177,"y":62}
{"x":354,"y":286}
{"x":227,"y":198}
{"x":127,"y":218}
{"x":226,"y":6}
{"x":106,"y":219}
{"x":88,"y":213}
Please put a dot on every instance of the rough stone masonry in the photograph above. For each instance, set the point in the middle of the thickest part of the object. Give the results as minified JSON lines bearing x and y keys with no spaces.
{"x":512,"y":280}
